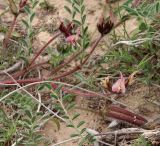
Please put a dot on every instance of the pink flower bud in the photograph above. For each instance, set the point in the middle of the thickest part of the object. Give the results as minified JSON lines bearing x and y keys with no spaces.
{"x":72,"y":39}
{"x":119,"y":85}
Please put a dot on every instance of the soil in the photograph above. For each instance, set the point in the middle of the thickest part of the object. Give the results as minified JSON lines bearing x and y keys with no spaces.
{"x":136,"y":98}
{"x":139,"y":98}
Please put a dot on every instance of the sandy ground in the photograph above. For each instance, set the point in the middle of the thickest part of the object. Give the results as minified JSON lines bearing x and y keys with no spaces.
{"x":135,"y":97}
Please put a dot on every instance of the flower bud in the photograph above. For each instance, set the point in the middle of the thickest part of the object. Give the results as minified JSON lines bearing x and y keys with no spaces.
{"x":104,"y":27}
{"x":119,"y":85}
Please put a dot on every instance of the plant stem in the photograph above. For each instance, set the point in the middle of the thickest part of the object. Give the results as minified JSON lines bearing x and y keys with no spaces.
{"x":71,"y":58}
{"x":70,"y":121}
{"x":113,"y":111}
{"x":65,"y":141}
{"x":78,"y":67}
{"x":88,"y":93}
{"x":5,"y":11}
{"x":22,"y":72}
{"x":23,"y":89}
{"x":9,"y":33}
{"x":44,"y":47}
{"x":30,"y":66}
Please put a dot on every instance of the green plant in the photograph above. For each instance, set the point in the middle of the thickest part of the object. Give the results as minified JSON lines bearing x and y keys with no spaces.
{"x":139,"y":51}
{"x":87,"y":82}
{"x":30,"y":11}
{"x":46,"y":5}
{"x":24,"y":111}
{"x":23,"y":125}
{"x":8,"y":128}
{"x":30,"y":124}
{"x":141,"y":141}
{"x":65,"y":104}
{"x":78,"y":10}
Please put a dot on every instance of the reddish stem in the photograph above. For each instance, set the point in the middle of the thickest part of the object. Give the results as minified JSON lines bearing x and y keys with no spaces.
{"x":92,"y":49}
{"x":65,"y":89}
{"x":67,"y":73}
{"x":70,"y":59}
{"x":61,"y":66}
{"x":76,"y":91}
{"x":22,"y":72}
{"x":37,"y":65}
{"x":36,"y":56}
{"x":26,"y":81}
{"x":8,"y":36}
{"x":114,"y":112}
{"x":44,"y":47}
{"x":79,"y":66}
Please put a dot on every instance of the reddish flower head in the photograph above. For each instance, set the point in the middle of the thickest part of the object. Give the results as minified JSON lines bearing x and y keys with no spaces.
{"x":66,"y":29}
{"x":72,"y":39}
{"x":104,"y":27}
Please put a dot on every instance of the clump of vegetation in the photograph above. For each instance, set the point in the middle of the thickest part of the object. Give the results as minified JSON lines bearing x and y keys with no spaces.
{"x":141,"y":141}
{"x":29,"y":98}
{"x":138,"y":50}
